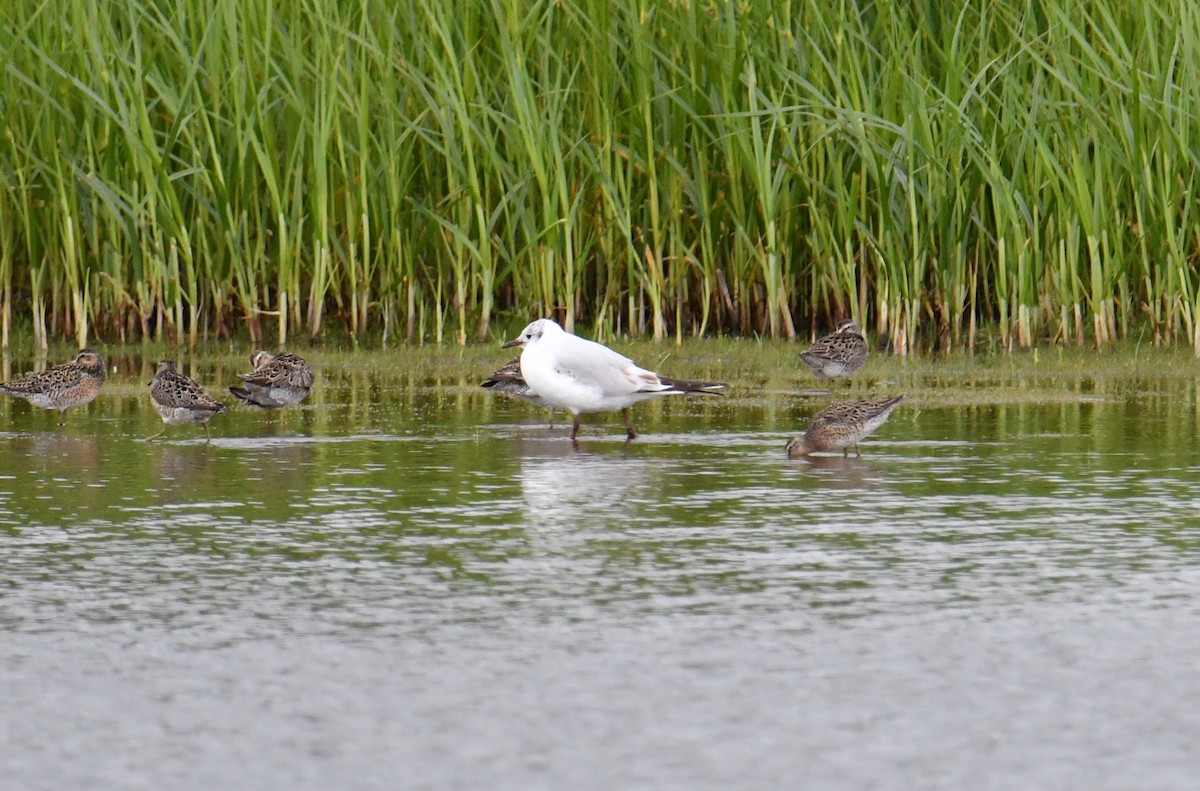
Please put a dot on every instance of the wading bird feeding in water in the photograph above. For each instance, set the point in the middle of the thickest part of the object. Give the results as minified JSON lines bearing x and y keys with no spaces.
{"x":843,"y":425}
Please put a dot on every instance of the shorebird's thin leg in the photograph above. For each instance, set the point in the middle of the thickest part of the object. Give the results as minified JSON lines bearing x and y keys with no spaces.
{"x":845,"y":452}
{"x":159,"y":434}
{"x":575,"y":428}
{"x":857,"y":452}
{"x":629,"y":432}
{"x":551,"y":418}
{"x":207,"y":436}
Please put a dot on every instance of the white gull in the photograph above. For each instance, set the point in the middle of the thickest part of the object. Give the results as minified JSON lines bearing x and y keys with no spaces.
{"x":573,"y":373}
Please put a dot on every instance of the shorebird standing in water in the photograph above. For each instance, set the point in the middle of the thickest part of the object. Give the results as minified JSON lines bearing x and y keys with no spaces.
{"x":569,"y":372}
{"x":179,"y":399}
{"x":843,"y":425}
{"x":840,"y":353}
{"x":277,"y":380}
{"x":63,"y":386}
{"x":508,"y":380}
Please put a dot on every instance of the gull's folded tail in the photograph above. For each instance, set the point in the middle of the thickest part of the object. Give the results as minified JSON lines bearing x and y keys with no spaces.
{"x":686,"y":386}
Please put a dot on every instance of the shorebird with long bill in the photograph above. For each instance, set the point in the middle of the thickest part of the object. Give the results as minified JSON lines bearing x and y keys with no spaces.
{"x":843,"y":425}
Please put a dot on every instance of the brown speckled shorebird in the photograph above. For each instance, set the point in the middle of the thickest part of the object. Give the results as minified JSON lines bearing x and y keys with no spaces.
{"x":840,"y":353}
{"x":508,"y":380}
{"x":277,"y":380}
{"x":179,"y":399}
{"x":843,"y":425}
{"x":63,"y":386}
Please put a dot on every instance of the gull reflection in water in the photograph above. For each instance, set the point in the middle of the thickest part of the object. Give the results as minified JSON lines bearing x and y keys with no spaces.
{"x":562,"y":485}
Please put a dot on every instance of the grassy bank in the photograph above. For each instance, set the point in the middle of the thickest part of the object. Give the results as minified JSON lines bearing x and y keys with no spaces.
{"x":756,"y":370}
{"x":424,"y":170}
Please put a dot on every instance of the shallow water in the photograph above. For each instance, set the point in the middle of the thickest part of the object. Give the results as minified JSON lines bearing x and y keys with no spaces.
{"x":411,"y":583}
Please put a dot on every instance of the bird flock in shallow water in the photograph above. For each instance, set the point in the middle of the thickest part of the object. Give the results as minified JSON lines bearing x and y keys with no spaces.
{"x":555,"y":370}
{"x":276,"y":380}
{"x":559,"y":370}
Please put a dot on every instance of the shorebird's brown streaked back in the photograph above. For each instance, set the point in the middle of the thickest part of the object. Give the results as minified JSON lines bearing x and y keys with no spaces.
{"x":508,"y":380}
{"x":277,"y":380}
{"x":840,"y":353}
{"x":843,"y":425}
{"x":63,"y":386}
{"x":180,"y":399}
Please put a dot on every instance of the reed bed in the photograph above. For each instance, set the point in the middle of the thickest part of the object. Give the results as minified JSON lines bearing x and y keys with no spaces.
{"x":999,"y":170}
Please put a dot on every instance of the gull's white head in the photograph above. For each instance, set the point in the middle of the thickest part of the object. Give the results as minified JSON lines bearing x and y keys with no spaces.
{"x":534,"y":332}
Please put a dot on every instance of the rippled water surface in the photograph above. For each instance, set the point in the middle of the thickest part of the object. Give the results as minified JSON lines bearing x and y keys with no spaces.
{"x":409,"y":583}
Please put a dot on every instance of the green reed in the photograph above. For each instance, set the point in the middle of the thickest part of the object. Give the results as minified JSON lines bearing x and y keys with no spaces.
{"x":421,"y":170}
